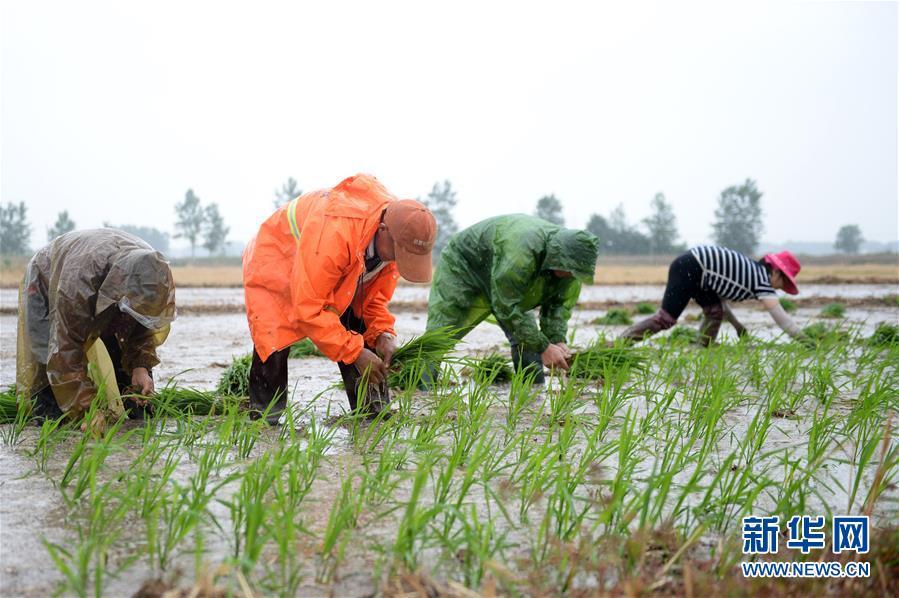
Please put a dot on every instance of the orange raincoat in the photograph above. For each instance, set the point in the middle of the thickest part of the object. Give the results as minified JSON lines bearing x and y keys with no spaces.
{"x":302,"y":270}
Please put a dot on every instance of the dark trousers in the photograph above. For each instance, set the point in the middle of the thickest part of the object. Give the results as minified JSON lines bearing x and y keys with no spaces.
{"x":685,"y":283}
{"x":46,"y":407}
{"x":268,"y":380}
{"x":526,"y":360}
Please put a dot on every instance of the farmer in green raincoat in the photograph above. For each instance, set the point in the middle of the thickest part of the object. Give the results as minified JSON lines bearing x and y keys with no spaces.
{"x":507,"y":266}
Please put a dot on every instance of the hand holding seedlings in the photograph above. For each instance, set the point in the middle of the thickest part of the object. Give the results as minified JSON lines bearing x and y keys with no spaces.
{"x":554,"y":358}
{"x":566,"y":350}
{"x":386,"y":347}
{"x":142,"y":382}
{"x":367,"y":360}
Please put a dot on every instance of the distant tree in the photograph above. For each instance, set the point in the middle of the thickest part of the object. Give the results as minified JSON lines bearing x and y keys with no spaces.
{"x":599,"y":226}
{"x":550,"y":208}
{"x":442,"y":202}
{"x":15,"y":231}
{"x":154,"y":237}
{"x":63,"y":225}
{"x":191,"y":219}
{"x":214,"y":229}
{"x":287,"y":192}
{"x":738,"y":218}
{"x":661,"y":226}
{"x":849,"y":239}
{"x":623,"y":237}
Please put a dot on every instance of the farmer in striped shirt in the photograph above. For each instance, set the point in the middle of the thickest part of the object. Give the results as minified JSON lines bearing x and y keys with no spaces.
{"x":711,"y":275}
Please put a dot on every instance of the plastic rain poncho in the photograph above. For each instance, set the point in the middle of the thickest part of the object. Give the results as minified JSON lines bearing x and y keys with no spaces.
{"x":503,"y":266}
{"x":82,"y":285}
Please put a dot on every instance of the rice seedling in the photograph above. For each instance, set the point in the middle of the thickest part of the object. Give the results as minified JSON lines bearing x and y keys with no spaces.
{"x":415,"y":521}
{"x":175,"y":400}
{"x":235,"y":380}
{"x":248,"y":510}
{"x":303,"y":349}
{"x":788,"y":304}
{"x":885,"y":335}
{"x":683,"y":335}
{"x":415,"y":358}
{"x":644,"y":309}
{"x":599,"y":361}
{"x":833,"y":310}
{"x":492,"y":367}
{"x":342,"y":519}
{"x":820,"y":332}
{"x":617,"y":316}
{"x":9,"y":405}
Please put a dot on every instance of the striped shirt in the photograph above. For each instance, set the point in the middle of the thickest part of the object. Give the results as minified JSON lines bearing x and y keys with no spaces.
{"x":731,"y":274}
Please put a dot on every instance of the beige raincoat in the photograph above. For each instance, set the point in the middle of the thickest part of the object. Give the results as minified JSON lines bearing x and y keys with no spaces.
{"x":78,"y":288}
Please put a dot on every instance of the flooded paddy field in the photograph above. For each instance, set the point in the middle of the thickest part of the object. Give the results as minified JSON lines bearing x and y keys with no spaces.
{"x":636,"y":483}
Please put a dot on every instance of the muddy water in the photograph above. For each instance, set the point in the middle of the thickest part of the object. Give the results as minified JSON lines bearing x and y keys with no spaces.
{"x":195,"y":355}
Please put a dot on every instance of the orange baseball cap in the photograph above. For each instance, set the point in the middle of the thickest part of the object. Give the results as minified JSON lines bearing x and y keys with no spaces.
{"x":414,"y":231}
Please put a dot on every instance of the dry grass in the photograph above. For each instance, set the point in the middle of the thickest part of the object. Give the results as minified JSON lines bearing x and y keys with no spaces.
{"x":615,"y":273}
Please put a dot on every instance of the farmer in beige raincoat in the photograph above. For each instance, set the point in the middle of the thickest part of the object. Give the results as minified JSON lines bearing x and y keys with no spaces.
{"x":86,"y":294}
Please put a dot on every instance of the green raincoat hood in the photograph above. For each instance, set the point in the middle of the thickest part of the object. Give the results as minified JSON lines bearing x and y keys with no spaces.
{"x":572,"y":251}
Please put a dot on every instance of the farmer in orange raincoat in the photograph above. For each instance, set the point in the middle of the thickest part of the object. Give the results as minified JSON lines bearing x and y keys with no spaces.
{"x":324,"y":267}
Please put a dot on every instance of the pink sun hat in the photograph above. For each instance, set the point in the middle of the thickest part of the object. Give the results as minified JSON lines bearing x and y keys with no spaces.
{"x":789,"y":266}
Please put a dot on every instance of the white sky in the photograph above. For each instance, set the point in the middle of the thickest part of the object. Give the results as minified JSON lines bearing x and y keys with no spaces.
{"x":112,"y":110}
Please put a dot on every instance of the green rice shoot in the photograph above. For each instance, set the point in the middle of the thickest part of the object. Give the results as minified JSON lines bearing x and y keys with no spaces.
{"x":494,"y":367}
{"x":411,"y":360}
{"x":235,"y":381}
{"x":617,"y":316}
{"x":598,"y":360}
{"x":644,"y":308}
{"x":788,"y":304}
{"x":303,"y":349}
{"x":885,"y":335}
{"x":833,"y":310}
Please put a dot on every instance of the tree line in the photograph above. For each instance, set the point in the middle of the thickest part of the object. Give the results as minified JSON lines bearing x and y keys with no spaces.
{"x":737,"y":223}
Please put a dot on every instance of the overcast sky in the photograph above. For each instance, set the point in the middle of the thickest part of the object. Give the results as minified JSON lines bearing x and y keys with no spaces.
{"x":111,"y":110}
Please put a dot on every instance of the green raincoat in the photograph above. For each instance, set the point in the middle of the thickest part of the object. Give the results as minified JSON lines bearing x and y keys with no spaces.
{"x":75,"y":289}
{"x":503,"y":266}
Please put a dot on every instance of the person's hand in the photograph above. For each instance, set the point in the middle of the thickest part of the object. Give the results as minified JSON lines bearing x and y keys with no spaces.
{"x":141,"y":381}
{"x":565,"y":350}
{"x":386,"y":347}
{"x":554,"y":358}
{"x":367,"y":360}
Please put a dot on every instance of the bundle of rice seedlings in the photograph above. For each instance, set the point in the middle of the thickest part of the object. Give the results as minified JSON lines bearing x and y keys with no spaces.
{"x":177,"y":400}
{"x":304,"y":348}
{"x":788,"y":304}
{"x":821,"y":332}
{"x":493,"y":367}
{"x":683,"y":335}
{"x":885,"y":335}
{"x":420,"y":353}
{"x":8,"y":405}
{"x":891,"y":300}
{"x":644,"y":308}
{"x":833,"y":310}
{"x":617,"y":316}
{"x":598,"y":360}
{"x":235,"y":381}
